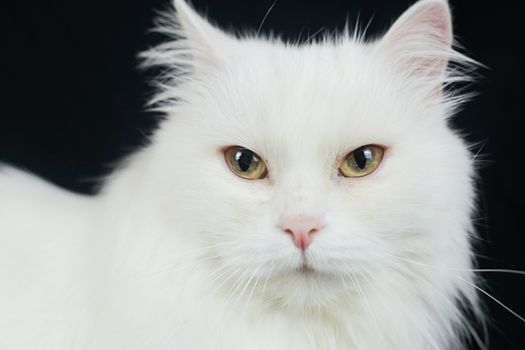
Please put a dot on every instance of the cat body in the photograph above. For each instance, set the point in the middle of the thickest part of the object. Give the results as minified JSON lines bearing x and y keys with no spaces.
{"x":177,"y":252}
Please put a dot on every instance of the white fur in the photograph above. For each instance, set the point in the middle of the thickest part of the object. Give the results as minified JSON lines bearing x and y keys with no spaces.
{"x":178,"y":253}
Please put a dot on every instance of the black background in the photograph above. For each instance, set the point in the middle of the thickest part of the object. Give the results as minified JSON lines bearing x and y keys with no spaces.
{"x":74,"y":100}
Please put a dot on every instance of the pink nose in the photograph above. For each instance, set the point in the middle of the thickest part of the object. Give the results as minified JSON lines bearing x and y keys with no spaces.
{"x":301,"y":230}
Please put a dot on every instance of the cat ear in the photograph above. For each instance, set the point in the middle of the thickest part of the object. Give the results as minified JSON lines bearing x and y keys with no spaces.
{"x":420,"y":41}
{"x":206,"y":43}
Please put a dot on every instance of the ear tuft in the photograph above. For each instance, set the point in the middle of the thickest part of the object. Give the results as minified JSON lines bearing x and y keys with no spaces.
{"x":194,"y":44}
{"x":194,"y":49}
{"x":420,"y":41}
{"x":207,"y":41}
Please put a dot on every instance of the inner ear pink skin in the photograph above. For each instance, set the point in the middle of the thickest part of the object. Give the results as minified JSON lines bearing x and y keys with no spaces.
{"x":301,"y":228}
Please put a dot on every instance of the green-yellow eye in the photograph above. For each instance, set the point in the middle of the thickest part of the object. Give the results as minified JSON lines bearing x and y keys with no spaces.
{"x":362,"y":161}
{"x":245,"y":163}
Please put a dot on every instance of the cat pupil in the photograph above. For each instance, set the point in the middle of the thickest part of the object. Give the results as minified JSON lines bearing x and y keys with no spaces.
{"x":361,"y":156}
{"x":244,"y":158}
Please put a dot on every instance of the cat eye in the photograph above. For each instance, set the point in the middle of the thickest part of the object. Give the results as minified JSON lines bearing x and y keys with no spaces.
{"x":362,"y":161}
{"x":245,"y":163}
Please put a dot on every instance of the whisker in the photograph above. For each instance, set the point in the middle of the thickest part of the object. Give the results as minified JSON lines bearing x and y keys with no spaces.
{"x":226,"y":280}
{"x":207,"y":247}
{"x":223,"y":267}
{"x":236,"y":286}
{"x":265,"y":17}
{"x":368,"y":309}
{"x":340,"y":274}
{"x":268,"y":277}
{"x":310,"y":37}
{"x":219,"y":319}
{"x":244,"y":280}
{"x":522,"y":319}
{"x":411,"y":315}
{"x":517,"y":272}
{"x":479,"y":151}
{"x":476,"y":337}
{"x":510,"y":271}
{"x":251,"y":294}
{"x":418,"y":324}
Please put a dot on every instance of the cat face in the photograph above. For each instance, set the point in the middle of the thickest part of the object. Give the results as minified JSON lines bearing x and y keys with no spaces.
{"x":302,"y":233}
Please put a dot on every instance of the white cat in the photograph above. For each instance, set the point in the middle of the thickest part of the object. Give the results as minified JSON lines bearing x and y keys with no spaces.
{"x":295,"y":197}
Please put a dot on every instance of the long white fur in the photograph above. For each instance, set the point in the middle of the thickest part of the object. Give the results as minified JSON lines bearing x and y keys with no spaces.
{"x":178,"y":253}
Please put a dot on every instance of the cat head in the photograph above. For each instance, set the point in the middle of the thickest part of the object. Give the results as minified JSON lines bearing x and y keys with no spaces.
{"x":306,"y":170}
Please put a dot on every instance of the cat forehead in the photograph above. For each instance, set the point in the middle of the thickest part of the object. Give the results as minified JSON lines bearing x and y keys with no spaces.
{"x":321,"y":70}
{"x":318,"y":69}
{"x":315,"y":91}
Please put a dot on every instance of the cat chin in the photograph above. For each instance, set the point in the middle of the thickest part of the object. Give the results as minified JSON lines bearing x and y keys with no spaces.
{"x":307,"y":288}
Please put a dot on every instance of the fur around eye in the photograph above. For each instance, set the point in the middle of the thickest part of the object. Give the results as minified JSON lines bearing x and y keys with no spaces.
{"x":362,"y":161}
{"x":245,"y":163}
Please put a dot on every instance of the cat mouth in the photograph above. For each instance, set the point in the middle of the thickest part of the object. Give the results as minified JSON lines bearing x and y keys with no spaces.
{"x":306,"y":269}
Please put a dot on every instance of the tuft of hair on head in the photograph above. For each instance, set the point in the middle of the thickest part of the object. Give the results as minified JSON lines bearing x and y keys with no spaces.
{"x":193,"y":47}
